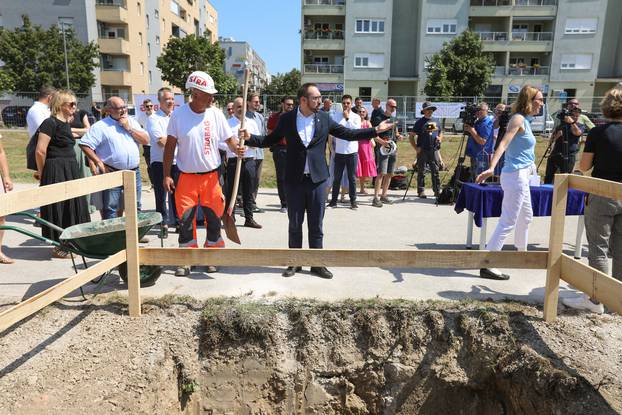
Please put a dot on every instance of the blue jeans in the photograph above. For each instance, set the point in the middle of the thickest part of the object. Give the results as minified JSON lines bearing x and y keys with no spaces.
{"x":113,"y":199}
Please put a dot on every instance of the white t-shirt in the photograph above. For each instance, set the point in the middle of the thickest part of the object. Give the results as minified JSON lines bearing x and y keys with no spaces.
{"x":354,"y":122}
{"x":156,"y":126}
{"x":198,"y":137}
{"x":251,"y":127}
{"x":38,"y":113}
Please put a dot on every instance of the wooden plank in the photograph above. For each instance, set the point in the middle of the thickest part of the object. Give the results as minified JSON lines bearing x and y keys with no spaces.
{"x":344,"y":258}
{"x":600,"y":187}
{"x":594,"y":283}
{"x":52,"y":294}
{"x":556,"y":239}
{"x":18,"y":201}
{"x":131,"y":242}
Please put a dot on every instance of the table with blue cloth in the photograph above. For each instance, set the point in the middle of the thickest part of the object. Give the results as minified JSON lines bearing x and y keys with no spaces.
{"x":484,"y":201}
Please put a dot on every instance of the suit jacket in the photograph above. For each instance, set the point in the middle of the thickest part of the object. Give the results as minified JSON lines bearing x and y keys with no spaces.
{"x":297,"y":153}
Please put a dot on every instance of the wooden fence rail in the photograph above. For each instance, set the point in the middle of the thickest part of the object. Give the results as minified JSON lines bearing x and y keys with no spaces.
{"x":559,"y":266}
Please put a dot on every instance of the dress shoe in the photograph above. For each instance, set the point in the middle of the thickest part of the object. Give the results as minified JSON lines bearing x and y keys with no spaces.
{"x":354,"y":206}
{"x":322,"y":272}
{"x":332,"y":204}
{"x":493,"y":274}
{"x":283,"y":210}
{"x":257,"y":210}
{"x":250,"y":223}
{"x":290,"y":271}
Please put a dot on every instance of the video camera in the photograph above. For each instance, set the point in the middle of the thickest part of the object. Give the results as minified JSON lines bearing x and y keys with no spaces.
{"x":468,"y":114}
{"x":563,"y":113}
{"x":504,"y":118}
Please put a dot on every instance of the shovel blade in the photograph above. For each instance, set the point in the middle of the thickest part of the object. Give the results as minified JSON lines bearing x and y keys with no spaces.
{"x":230,"y":230}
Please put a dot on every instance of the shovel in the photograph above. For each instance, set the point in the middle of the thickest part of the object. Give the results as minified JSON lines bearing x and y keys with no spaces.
{"x":227,"y":218}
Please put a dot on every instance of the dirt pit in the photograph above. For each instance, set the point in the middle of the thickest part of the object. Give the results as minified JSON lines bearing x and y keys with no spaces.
{"x":237,"y":356}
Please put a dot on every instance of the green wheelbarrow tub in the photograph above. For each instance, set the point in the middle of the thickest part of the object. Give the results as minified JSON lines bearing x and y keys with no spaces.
{"x":100,"y":239}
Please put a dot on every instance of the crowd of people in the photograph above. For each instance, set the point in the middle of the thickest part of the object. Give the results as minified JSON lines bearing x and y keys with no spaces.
{"x":192,"y":151}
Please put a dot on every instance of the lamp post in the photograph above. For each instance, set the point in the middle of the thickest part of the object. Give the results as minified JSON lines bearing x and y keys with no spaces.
{"x":62,"y":25}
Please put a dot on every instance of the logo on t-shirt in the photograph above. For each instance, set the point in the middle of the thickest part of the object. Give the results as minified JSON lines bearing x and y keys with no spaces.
{"x":207,"y":134}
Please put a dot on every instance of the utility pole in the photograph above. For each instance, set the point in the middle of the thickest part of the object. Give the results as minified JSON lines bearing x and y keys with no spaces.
{"x":62,"y":25}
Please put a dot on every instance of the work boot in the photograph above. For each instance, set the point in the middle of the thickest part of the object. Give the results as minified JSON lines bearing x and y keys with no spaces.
{"x":290,"y":271}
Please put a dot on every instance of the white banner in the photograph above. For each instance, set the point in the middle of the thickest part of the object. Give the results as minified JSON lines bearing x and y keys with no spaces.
{"x":443,"y":109}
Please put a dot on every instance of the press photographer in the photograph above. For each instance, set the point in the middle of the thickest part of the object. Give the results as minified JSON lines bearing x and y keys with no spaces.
{"x":479,"y":126}
{"x":429,"y":138}
{"x":565,"y":143}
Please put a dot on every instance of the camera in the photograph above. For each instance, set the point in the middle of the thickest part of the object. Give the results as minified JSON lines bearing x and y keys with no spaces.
{"x":504,"y":118}
{"x":468,"y":114}
{"x":431,"y":126}
{"x":563,"y":113}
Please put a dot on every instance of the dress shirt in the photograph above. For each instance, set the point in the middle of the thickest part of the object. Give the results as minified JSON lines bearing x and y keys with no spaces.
{"x":157,"y":124}
{"x":113,"y":144}
{"x":306,"y":129}
{"x":353,"y":122}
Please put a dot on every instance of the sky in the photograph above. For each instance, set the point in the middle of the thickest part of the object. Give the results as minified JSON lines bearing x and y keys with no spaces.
{"x":270,"y":26}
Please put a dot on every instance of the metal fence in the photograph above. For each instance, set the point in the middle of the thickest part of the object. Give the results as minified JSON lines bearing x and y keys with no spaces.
{"x":13,"y":108}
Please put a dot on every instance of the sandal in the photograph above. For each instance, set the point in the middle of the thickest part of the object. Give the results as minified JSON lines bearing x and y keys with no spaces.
{"x":6,"y":260}
{"x":60,"y":253}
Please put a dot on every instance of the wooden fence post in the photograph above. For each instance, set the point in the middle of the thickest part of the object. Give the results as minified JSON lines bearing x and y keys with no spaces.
{"x":556,"y":240}
{"x":131,"y":241}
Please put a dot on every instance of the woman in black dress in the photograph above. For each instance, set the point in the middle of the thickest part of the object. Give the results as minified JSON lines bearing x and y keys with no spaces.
{"x":56,"y":162}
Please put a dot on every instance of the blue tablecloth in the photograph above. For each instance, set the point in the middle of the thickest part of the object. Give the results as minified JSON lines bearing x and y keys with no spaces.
{"x":485,"y":201}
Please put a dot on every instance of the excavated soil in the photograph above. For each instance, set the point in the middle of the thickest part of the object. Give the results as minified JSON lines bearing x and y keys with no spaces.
{"x":242,"y":356}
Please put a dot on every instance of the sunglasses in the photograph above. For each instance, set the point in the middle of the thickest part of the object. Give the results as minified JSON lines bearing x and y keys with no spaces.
{"x":71,"y":104}
{"x":148,"y":106}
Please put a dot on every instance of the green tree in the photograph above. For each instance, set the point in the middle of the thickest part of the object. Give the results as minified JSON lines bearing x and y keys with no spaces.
{"x":460,"y":68}
{"x":180,"y":57}
{"x":284,"y":83}
{"x":34,"y":57}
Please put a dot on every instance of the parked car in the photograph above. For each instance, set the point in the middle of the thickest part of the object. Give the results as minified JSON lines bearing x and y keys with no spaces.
{"x":14,"y":115}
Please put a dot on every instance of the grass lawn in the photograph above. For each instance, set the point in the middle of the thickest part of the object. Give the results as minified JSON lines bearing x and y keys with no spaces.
{"x":15,"y":141}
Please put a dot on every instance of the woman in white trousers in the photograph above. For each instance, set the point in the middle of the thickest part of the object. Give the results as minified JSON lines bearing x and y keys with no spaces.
{"x":518,"y":144}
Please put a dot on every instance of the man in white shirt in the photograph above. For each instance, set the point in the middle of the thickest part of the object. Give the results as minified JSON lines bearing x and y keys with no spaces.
{"x":40,"y":110}
{"x":196,"y":130}
{"x":143,"y":117}
{"x":346,"y":153}
{"x":247,"y":173}
{"x":254,"y":105}
{"x":157,"y":125}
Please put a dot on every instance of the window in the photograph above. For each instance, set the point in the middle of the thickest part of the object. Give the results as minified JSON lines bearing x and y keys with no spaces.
{"x":156,"y":14}
{"x":148,"y":49}
{"x":369,"y":26}
{"x":442,"y":27}
{"x":576,"y":62}
{"x":369,"y":60}
{"x":142,"y":68}
{"x":320,"y":59}
{"x":147,"y":19}
{"x":140,"y":39}
{"x":581,"y":26}
{"x":174,"y":8}
{"x":150,"y":78}
{"x":138,"y":7}
{"x":157,"y":40}
{"x":66,"y":22}
{"x":1,"y":22}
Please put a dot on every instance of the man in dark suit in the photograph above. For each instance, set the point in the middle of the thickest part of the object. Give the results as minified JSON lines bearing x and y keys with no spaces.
{"x":306,"y":131}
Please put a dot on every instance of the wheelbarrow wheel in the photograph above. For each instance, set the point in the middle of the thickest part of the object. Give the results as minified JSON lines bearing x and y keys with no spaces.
{"x":149,"y":274}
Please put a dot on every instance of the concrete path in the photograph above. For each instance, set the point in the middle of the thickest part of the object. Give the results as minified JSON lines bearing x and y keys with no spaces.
{"x":410,"y":224}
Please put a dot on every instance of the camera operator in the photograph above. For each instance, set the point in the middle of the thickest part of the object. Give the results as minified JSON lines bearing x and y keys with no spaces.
{"x":565,"y":142}
{"x":583,"y":119}
{"x":502,"y":118}
{"x":480,"y":137}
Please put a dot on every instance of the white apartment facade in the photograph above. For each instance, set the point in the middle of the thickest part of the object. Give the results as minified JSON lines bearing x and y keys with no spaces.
{"x":238,"y":54}
{"x":379,"y":47}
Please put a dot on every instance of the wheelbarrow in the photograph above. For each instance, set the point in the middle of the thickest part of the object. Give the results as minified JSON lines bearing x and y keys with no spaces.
{"x":98,"y":240}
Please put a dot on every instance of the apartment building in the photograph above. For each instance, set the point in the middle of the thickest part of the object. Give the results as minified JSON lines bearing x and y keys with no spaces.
{"x":130,"y":33}
{"x":239,"y":54}
{"x":379,"y":47}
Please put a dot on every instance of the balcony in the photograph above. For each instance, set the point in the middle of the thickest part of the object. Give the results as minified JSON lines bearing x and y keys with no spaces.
{"x":516,"y":41}
{"x":322,"y":68}
{"x":529,"y":70}
{"x":111,"y":11}
{"x":114,"y":46}
{"x":115,"y":76}
{"x":332,"y":40}
{"x":501,"y":8}
{"x":324,"y":7}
